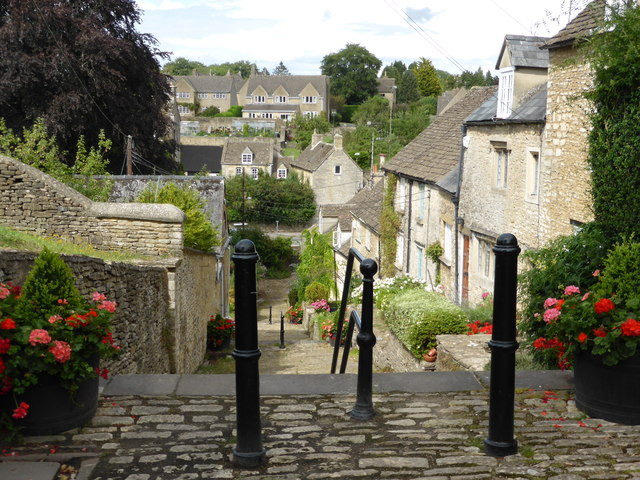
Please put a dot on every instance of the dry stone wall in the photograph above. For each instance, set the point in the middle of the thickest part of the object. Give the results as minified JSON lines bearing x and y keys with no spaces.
{"x":36,"y":203}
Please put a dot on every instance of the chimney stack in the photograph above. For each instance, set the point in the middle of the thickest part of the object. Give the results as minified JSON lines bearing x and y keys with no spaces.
{"x":337,"y":142}
{"x":316,"y":138}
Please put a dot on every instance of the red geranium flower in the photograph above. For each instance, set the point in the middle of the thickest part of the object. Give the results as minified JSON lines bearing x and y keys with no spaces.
{"x":630,"y":328}
{"x":604,"y":305}
{"x":583,"y":337}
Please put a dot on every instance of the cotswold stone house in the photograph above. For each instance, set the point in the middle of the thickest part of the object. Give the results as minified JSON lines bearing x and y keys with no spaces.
{"x":247,"y":156}
{"x":195,"y":93}
{"x":331,"y":173}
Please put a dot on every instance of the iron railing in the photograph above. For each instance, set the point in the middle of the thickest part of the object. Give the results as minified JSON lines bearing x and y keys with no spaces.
{"x":363,"y":409}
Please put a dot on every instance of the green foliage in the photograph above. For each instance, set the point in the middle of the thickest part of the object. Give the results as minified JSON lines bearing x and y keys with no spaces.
{"x":315,"y":291}
{"x":353,"y":71}
{"x":211,"y":111}
{"x":38,"y":149}
{"x":276,"y":254}
{"x":198,"y":231}
{"x":281,"y":69}
{"x":348,"y":111}
{"x":567,"y":260}
{"x":234,"y":111}
{"x":268,"y":199}
{"x":303,"y":129}
{"x":416,"y":317}
{"x":427,"y":78}
{"x":389,"y":224}
{"x":481,"y":313}
{"x":293,"y":297}
{"x":374,"y":110}
{"x":614,"y":140}
{"x":434,"y":252}
{"x":621,"y":273}
{"x":408,"y":88}
{"x":48,"y":281}
{"x":316,"y":262}
{"x":183,"y":66}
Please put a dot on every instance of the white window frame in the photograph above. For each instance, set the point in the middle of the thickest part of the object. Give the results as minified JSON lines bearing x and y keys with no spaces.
{"x":247,"y":158}
{"x":182,"y":110}
{"x":532,"y":183}
{"x":258,"y":99}
{"x":448,"y":241}
{"x":203,"y":95}
{"x":239,"y":170}
{"x":402,"y":193}
{"x":255,"y":173}
{"x":267,"y":115}
{"x":282,"y":173}
{"x":400,"y":250}
{"x":367,"y":238}
{"x":505,"y":92}
{"x":422,"y":197}
{"x":219,"y":95}
{"x":310,"y":114}
{"x":285,"y":116}
{"x":280,"y":99}
{"x":183,"y":94}
{"x":420,"y":262}
{"x":337,"y":169}
{"x":336,"y":238}
{"x":309,"y":99}
{"x":501,"y":154}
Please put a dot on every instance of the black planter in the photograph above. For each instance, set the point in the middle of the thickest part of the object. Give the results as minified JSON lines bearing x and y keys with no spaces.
{"x":51,"y":409}
{"x":609,"y":393}
{"x":225,"y":344}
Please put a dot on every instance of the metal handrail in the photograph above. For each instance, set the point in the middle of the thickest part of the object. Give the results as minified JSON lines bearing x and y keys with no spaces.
{"x":363,"y":409}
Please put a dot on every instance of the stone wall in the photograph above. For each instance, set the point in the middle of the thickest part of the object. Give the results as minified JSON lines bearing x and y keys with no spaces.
{"x":565,"y":182}
{"x":36,"y":203}
{"x":163,"y":306}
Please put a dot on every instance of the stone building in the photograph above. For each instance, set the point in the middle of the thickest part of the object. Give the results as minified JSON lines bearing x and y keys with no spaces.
{"x":195,"y":93}
{"x":332,"y":174}
{"x":247,"y":156}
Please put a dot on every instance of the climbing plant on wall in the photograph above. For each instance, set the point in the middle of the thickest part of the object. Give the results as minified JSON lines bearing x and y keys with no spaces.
{"x":389,"y":224}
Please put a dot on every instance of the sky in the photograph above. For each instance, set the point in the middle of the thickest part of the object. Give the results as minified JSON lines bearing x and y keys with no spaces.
{"x":454,"y":34}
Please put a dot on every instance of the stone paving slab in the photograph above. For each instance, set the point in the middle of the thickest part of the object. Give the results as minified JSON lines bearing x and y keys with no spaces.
{"x":413,"y":436}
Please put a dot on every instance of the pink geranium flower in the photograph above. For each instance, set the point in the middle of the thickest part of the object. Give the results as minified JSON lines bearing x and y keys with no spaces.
{"x":571,"y":290}
{"x":108,"y":306}
{"x":39,"y":335}
{"x":98,"y":297}
{"x":550,"y":302}
{"x":551,"y":314}
{"x":61,"y":351}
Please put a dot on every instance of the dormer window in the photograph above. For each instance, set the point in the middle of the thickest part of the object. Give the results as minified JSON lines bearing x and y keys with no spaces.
{"x":258,"y":99}
{"x":280,"y":99}
{"x":247,"y":157}
{"x":505,"y":92}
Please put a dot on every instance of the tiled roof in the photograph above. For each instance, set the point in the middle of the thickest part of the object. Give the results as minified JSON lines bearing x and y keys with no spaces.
{"x":436,"y":150}
{"x":293,"y":84}
{"x":211,"y":83}
{"x":533,"y":108}
{"x":262,"y":150}
{"x":449,"y":182}
{"x":368,"y":205}
{"x":311,"y":158}
{"x":524,"y":51}
{"x":340,"y":211}
{"x":580,"y":27}
{"x":194,"y":157}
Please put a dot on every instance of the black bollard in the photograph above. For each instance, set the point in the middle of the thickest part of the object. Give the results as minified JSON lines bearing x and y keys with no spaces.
{"x":282,"y":331}
{"x":363,"y":409}
{"x":248,"y":452}
{"x":270,"y":307}
{"x":503,"y":344}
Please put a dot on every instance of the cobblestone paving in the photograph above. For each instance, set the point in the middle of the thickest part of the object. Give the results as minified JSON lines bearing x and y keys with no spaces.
{"x":413,"y":436}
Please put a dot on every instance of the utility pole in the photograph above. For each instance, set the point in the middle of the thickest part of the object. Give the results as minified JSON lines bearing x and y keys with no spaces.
{"x":129,"y":162}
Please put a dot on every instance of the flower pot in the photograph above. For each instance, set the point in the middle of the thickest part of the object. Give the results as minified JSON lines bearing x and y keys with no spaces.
{"x":609,"y":393}
{"x":225,"y":344}
{"x":51,"y":409}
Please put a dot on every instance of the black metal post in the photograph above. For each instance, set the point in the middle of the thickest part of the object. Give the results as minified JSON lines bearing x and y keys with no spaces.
{"x":270,"y":307}
{"x":248,"y":452}
{"x":503,"y":344}
{"x":363,"y":409}
{"x":282,"y":331}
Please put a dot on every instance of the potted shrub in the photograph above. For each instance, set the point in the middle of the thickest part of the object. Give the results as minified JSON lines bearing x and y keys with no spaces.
{"x":219,"y":332}
{"x":51,"y":341}
{"x":597,"y":333}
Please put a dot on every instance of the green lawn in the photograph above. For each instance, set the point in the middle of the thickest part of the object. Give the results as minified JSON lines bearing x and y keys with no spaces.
{"x":287,"y":152}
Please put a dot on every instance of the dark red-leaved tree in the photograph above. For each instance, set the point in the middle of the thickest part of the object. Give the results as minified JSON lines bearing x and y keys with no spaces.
{"x":82,"y":66}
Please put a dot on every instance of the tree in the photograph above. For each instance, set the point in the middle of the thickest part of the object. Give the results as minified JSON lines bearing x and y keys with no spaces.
{"x":303,"y":128}
{"x":82,"y":67}
{"x":408,"y":88}
{"x":281,"y":69}
{"x":182,"y":66}
{"x":428,"y":82}
{"x":353,"y":71}
{"x":374,"y":111}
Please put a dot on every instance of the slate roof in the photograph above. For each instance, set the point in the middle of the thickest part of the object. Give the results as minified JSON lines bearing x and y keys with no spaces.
{"x":386,"y":84}
{"x":311,"y":158}
{"x":436,"y":150}
{"x":532,"y":109}
{"x":580,"y":27}
{"x":449,"y":182}
{"x":293,"y":84}
{"x":524,"y":51}
{"x":262,"y":151}
{"x":368,"y":205}
{"x":193,"y":158}
{"x":211,"y":83}
{"x":340,"y":211}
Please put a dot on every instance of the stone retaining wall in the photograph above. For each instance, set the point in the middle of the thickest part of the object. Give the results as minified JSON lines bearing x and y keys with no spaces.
{"x":36,"y":203}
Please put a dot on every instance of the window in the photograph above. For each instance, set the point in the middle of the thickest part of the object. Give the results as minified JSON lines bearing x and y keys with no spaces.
{"x":254,"y":173}
{"x":203,"y":95}
{"x":400,"y":250}
{"x":267,"y":115}
{"x":183,"y":95}
{"x":252,"y":115}
{"x":484,"y":258}
{"x":309,"y":114}
{"x":247,"y":158}
{"x":367,"y":238}
{"x":219,"y":95}
{"x":182,"y":109}
{"x":420,"y":261}
{"x":285,"y":116}
{"x":337,"y":170}
{"x":309,"y":99}
{"x":402,"y":194}
{"x":356,"y":231}
{"x":505,"y":92}
{"x":239,"y":170}
{"x":533,"y":176}
{"x":258,"y":99}
{"x":448,"y":241}
{"x":502,"y":165}
{"x":336,"y":238}
{"x":280,"y":99}
{"x":421,"y":207}
{"x":282,"y":173}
